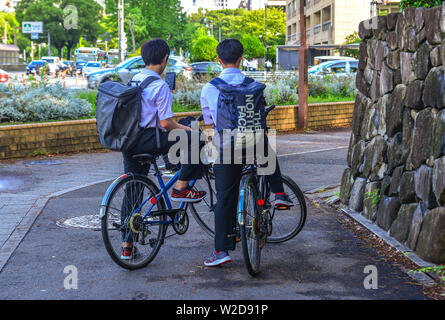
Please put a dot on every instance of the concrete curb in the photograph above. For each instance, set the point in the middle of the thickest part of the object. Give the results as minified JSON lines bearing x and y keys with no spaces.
{"x":28,"y":220}
{"x":425,"y":278}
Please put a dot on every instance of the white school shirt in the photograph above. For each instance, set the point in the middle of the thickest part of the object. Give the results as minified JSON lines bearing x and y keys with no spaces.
{"x":157,"y":100}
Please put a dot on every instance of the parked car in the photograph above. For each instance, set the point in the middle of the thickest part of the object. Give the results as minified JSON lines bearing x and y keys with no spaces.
{"x":348,"y":67}
{"x":91,"y":67}
{"x":53,"y":63}
{"x":128,"y":68}
{"x":177,"y":65}
{"x":4,"y":76}
{"x":204,"y":68}
{"x":321,"y":59}
{"x":79,"y":65}
{"x":35,"y":65}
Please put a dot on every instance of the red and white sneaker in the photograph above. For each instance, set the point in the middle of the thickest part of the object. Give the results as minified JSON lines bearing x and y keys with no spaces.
{"x":282,"y":201}
{"x":187,"y":195}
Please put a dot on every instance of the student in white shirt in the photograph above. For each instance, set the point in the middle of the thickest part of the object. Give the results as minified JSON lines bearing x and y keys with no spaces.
{"x":227,"y":176}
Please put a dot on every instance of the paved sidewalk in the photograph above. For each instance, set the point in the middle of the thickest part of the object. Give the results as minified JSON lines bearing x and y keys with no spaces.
{"x":26,"y":185}
{"x":324,"y":261}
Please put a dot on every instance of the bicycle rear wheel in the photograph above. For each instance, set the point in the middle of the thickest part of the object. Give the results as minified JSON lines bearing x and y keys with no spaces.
{"x":127,"y":201}
{"x":250,"y":220}
{"x":204,"y":211}
{"x":286,"y":224}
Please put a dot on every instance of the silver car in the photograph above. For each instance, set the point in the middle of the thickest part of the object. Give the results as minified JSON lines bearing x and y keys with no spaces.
{"x":128,"y":68}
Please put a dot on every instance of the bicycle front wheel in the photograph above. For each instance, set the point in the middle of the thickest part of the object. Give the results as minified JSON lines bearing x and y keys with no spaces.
{"x":250,"y":220}
{"x":125,"y":205}
{"x":289,"y":222}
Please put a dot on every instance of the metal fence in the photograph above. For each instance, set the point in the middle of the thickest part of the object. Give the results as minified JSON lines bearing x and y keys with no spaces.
{"x":264,"y":76}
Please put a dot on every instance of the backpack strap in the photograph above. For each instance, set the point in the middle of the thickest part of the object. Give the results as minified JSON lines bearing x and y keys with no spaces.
{"x":247,"y":81}
{"x":144,"y":84}
{"x":218,"y":82}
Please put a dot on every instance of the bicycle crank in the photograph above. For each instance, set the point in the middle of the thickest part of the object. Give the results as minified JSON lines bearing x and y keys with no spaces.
{"x":181,"y":222}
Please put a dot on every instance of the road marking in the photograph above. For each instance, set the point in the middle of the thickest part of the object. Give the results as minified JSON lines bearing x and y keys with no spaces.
{"x":312,"y":151}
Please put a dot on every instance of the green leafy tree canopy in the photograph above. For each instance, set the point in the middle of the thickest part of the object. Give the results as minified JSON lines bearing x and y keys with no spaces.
{"x":253,"y":47}
{"x":204,"y":49}
{"x":420,"y":3}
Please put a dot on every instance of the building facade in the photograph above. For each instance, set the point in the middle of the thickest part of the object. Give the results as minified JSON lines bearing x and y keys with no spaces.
{"x":330,"y":21}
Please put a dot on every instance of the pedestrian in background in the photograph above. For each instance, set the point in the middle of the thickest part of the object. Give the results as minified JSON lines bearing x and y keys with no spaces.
{"x":268,"y":65}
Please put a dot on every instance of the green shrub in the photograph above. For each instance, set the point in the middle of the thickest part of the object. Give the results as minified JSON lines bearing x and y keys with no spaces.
{"x":204,"y":49}
{"x":253,"y":47}
{"x":41,"y":102}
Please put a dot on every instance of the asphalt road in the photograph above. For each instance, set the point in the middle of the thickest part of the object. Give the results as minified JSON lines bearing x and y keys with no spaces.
{"x":324,"y":261}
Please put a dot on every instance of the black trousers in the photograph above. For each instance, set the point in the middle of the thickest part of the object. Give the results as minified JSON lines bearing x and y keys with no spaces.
{"x":227,"y":184}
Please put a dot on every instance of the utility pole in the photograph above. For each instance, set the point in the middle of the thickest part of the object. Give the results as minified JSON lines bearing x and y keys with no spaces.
{"x":302,"y":70}
{"x":120,"y":25}
{"x":265,"y":31}
{"x":49,"y":44}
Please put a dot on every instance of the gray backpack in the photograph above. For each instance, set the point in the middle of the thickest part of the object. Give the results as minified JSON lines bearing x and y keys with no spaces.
{"x":118,"y":114}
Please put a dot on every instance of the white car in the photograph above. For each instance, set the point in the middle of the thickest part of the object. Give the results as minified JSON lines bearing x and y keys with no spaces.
{"x":91,"y":67}
{"x":53,"y":63}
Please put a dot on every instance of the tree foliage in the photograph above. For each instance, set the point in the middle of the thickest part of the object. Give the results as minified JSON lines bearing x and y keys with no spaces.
{"x":351,"y":39}
{"x":420,"y":3}
{"x":150,"y":19}
{"x":235,"y":23}
{"x":52,"y":14}
{"x":204,"y":49}
{"x":253,"y":47}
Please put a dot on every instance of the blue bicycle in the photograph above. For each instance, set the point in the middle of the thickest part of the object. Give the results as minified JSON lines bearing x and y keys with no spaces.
{"x":134,"y":209}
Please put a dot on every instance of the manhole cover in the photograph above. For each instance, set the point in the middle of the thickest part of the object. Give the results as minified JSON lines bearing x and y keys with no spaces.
{"x":91,"y":222}
{"x":44,"y":162}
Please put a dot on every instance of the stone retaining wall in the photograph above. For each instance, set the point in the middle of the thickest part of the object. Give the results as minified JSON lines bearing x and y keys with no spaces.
{"x":25,"y":140}
{"x":397,"y":149}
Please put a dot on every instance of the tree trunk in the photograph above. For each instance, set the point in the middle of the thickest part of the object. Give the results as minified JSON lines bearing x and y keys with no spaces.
{"x":68,"y":46}
{"x":133,"y":40}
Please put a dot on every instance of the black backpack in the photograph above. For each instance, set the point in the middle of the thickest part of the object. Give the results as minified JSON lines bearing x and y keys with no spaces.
{"x":241,"y":107}
{"x":118,"y":114}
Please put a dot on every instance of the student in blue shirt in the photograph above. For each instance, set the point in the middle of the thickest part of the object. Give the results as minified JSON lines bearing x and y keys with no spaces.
{"x":228,"y":176}
{"x":157,"y":114}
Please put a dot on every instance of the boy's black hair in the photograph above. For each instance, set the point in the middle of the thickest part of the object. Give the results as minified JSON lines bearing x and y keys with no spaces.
{"x":154,"y":50}
{"x":230,"y":50}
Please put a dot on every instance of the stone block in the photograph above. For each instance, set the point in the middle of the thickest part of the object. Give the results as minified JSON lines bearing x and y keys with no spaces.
{"x":347,"y":181}
{"x":407,"y":189}
{"x":431,"y":241}
{"x":387,"y":212}
{"x":423,"y":185}
{"x":401,"y":226}
{"x":438,"y":180}
{"x":434,"y":93}
{"x":423,"y":138}
{"x":357,"y":194}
